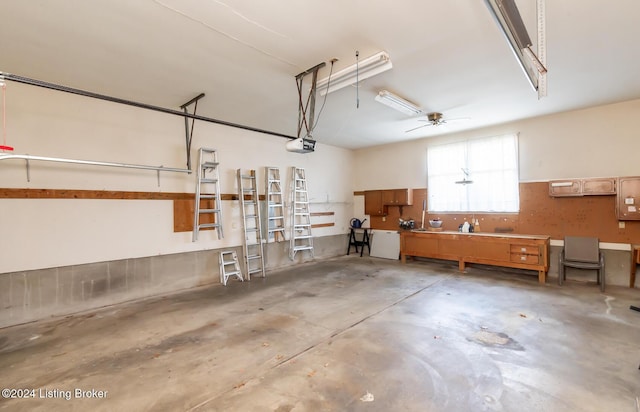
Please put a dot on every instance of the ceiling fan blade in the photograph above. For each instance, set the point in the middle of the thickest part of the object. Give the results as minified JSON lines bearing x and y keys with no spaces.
{"x":419,"y":127}
{"x":457,"y":119}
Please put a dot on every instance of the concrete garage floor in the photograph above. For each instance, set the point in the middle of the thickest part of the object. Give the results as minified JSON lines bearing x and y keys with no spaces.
{"x":347,"y":334}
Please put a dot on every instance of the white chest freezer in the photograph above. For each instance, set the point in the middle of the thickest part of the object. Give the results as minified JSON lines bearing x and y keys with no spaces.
{"x":385,"y":244}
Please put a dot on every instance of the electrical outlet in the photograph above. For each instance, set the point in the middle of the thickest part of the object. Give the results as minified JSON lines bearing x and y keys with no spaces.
{"x":384,"y":218}
{"x":621,"y":225}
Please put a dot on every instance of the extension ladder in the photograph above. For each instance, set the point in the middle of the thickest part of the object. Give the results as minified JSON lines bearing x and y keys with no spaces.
{"x":251,"y":223}
{"x":275,"y":205}
{"x":229,"y":266}
{"x":207,"y":188}
{"x":301,"y":238}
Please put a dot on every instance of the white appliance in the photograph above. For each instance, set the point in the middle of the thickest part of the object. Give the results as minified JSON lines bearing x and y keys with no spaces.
{"x":385,"y":244}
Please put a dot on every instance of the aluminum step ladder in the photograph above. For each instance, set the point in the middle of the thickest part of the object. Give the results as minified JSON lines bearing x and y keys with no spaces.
{"x":251,"y":223}
{"x":275,"y":224}
{"x":300,"y":239}
{"x":207,"y":188}
{"x":229,"y":266}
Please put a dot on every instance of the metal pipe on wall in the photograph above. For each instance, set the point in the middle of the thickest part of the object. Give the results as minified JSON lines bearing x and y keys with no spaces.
{"x":91,"y":163}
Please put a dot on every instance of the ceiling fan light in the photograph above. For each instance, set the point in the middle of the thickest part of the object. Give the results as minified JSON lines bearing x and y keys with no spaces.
{"x":371,"y":66}
{"x":398,"y":103}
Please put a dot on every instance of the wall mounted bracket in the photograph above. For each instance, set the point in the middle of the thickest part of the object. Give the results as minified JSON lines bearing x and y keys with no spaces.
{"x":189,"y":133}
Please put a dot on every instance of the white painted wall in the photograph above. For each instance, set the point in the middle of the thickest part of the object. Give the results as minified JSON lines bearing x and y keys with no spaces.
{"x":41,"y":233}
{"x":595,"y":142}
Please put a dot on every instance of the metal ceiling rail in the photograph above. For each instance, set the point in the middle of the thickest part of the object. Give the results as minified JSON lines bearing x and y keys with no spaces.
{"x":52,"y":86}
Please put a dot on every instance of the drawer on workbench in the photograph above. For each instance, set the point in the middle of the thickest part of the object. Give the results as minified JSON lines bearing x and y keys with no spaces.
{"x":525,"y":249}
{"x":528,"y":259}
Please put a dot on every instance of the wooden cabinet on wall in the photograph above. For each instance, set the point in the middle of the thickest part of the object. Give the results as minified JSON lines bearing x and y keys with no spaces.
{"x":373,"y":203}
{"x":377,"y":201}
{"x":628,"y":204}
{"x":397,"y":197}
{"x":582,"y":187}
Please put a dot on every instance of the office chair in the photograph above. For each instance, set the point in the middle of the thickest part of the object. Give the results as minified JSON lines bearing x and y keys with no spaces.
{"x":581,"y":253}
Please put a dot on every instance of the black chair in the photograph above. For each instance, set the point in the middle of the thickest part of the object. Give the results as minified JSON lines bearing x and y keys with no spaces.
{"x":581,"y":253}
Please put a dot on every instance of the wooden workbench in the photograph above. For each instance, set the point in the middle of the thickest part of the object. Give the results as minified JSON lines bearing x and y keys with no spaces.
{"x":508,"y":250}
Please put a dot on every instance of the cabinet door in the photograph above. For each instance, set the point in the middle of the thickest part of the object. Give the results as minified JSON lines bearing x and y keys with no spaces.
{"x":569,"y":187}
{"x":603,"y":186}
{"x":397,"y":197}
{"x":403,"y":197}
{"x":389,"y":197}
{"x":373,"y":203}
{"x":628,"y":198}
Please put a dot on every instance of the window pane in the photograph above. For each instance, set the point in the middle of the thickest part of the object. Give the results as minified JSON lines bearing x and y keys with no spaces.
{"x":492,"y":166}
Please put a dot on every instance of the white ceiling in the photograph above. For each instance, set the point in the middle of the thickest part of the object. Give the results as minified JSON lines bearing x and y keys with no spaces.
{"x":448,"y":56}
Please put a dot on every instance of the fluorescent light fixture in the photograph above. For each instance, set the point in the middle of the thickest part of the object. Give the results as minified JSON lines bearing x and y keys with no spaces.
{"x":506,"y":14}
{"x":376,"y":64}
{"x":398,"y":103}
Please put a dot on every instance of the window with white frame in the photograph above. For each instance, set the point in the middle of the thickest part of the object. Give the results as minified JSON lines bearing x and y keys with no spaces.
{"x":479,"y":175}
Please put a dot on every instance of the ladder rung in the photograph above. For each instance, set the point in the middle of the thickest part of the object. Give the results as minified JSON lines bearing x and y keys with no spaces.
{"x":209,"y":210}
{"x":208,"y":180}
{"x":254,"y":257}
{"x":209,"y":225}
{"x":276,"y":218}
{"x":303,"y":248}
{"x":235,"y":272}
{"x":302,"y":237}
{"x":209,"y":165}
{"x":208,"y":196}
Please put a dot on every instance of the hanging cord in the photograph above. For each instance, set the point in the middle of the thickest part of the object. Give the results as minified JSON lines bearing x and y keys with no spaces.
{"x":357,"y":80}
{"x":315,"y":124}
{"x":4,"y":146}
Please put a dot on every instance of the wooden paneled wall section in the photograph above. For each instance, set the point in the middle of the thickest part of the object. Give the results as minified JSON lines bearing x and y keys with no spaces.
{"x":183,"y":203}
{"x":540,"y":214}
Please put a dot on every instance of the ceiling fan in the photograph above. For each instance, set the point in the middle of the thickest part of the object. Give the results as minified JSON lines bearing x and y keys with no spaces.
{"x":435,"y":119}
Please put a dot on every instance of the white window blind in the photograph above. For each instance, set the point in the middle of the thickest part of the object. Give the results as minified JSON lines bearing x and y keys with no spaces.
{"x":491,"y":164}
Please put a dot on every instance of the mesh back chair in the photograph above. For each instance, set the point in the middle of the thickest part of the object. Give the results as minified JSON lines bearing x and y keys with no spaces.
{"x":581,"y":253}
